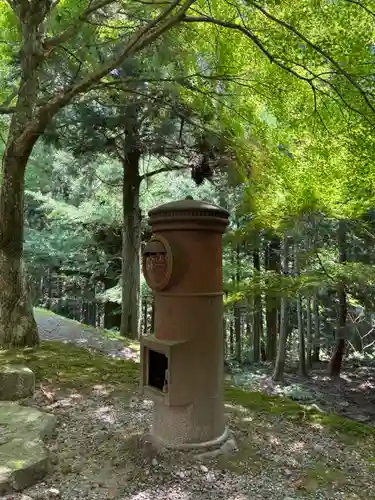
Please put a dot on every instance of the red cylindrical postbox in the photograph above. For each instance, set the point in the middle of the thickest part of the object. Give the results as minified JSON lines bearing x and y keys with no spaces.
{"x":182,"y":362}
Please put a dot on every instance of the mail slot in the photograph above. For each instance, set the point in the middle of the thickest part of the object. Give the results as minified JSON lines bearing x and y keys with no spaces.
{"x":154,"y":247}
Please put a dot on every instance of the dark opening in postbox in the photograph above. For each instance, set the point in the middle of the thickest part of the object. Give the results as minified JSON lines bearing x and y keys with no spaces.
{"x":182,"y":362}
{"x":157,"y":370}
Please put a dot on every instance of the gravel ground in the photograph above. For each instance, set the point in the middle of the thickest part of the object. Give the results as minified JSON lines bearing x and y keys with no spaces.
{"x":100,"y":451}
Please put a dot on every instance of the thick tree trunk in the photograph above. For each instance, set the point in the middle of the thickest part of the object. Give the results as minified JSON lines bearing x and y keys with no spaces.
{"x":272,"y":263}
{"x":131,"y":233}
{"x":278,"y":373}
{"x":17,"y":324}
{"x":339,"y":349}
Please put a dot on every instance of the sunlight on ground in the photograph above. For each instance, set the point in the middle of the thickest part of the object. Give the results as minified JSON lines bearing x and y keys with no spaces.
{"x":271,"y":431}
{"x":72,"y":366}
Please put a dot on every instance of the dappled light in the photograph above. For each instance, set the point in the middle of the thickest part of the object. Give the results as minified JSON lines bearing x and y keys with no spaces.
{"x":107,"y":423}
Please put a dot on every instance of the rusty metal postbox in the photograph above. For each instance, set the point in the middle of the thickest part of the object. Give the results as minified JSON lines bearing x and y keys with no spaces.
{"x":182,"y":362}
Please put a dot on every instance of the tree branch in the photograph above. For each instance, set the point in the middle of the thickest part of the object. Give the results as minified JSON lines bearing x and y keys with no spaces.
{"x":162,"y":170}
{"x":51,"y":43}
{"x":6,"y":111}
{"x":248,"y":34}
{"x":316,"y":48}
{"x":141,"y":39}
{"x":360,"y":4}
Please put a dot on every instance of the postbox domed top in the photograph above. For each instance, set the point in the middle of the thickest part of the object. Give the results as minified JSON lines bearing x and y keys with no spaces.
{"x":189,"y":207}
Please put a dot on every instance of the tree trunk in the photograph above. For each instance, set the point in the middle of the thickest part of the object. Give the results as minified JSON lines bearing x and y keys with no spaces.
{"x":131,"y":234}
{"x":17,"y":324}
{"x":339,"y":349}
{"x":316,"y":348}
{"x":249,"y":329}
{"x":309,"y":332}
{"x":237,"y":332}
{"x":257,"y":315}
{"x":231,"y":335}
{"x":301,"y":331}
{"x":278,"y":373}
{"x":152,"y":318}
{"x":272,"y":263}
{"x":145,"y":315}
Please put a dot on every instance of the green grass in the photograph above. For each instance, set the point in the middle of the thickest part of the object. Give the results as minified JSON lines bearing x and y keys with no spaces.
{"x":77,"y":367}
{"x":73,"y":366}
{"x":286,"y":408}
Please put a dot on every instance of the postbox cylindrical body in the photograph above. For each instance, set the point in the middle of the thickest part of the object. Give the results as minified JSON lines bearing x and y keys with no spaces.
{"x":183,"y":265}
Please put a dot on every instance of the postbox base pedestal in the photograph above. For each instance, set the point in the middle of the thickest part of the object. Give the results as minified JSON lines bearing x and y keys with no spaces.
{"x":173,"y":429}
{"x":223,"y":445}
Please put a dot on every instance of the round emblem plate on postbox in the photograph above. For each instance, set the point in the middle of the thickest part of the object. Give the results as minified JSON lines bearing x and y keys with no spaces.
{"x":157,"y":263}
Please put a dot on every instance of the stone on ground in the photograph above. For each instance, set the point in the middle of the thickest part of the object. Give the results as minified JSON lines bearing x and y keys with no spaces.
{"x":16,"y":382}
{"x":23,"y":456}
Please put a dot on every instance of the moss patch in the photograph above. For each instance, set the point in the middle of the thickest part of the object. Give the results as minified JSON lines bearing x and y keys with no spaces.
{"x":247,"y":458}
{"x":77,"y":367}
{"x":320,"y":475}
{"x":72,"y":366}
{"x":262,"y":403}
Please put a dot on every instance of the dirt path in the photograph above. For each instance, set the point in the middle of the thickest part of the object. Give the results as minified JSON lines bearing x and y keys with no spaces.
{"x":54,"y":327}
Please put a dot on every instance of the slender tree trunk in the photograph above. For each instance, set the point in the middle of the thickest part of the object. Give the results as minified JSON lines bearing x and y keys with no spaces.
{"x":339,"y":349}
{"x":131,"y":234}
{"x":152,"y":319}
{"x":301,"y":330}
{"x":309,"y":332}
{"x":236,"y":308}
{"x":257,"y":315}
{"x":272,"y":263}
{"x":225,"y":336}
{"x":278,"y":373}
{"x":237,"y":332}
{"x":316,"y":347}
{"x":145,"y":316}
{"x":231,"y":335}
{"x":249,"y":329}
